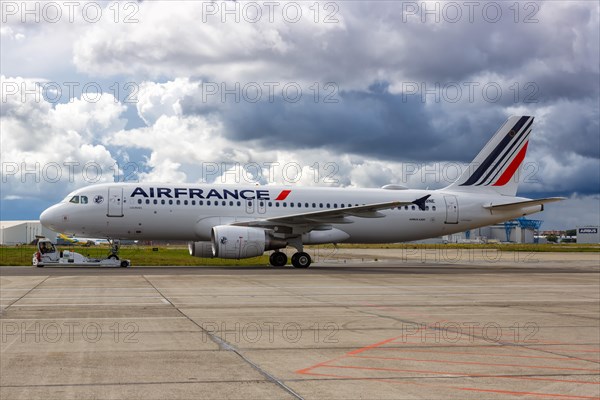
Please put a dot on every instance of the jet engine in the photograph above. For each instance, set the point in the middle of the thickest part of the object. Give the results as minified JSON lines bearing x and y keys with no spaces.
{"x":200,"y":249}
{"x":242,"y":242}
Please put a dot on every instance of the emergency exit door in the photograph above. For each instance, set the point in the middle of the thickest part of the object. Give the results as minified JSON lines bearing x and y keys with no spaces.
{"x":115,"y":202}
{"x":451,"y":209}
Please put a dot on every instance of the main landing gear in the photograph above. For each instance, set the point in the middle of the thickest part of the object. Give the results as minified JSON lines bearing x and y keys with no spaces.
{"x":299,"y":259}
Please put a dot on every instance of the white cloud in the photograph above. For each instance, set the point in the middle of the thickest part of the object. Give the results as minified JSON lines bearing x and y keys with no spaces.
{"x":49,"y":150}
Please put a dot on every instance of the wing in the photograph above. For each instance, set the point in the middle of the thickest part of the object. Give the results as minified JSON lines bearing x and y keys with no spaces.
{"x":313,"y":219}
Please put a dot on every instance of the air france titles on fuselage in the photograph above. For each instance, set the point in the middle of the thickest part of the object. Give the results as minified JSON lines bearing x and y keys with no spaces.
{"x":195,"y":193}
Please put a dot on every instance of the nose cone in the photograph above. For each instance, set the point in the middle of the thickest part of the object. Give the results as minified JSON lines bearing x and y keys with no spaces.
{"x":50,"y":218}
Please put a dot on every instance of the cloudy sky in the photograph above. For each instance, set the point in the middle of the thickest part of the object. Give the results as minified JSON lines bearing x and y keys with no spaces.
{"x":343,"y":93}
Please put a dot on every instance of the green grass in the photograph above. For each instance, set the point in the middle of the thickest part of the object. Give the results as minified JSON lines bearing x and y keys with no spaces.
{"x":139,"y":255}
{"x":178,"y":255}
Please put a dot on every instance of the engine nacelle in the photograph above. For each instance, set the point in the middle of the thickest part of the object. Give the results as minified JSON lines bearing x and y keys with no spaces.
{"x":241,"y":242}
{"x":200,"y":249}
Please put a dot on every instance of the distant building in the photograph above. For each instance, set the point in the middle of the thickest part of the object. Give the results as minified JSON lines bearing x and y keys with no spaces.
{"x":23,"y":232}
{"x":520,"y":230}
{"x":588,"y":234}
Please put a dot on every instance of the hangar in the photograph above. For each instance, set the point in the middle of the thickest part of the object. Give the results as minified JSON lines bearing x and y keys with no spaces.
{"x":588,"y":234}
{"x":23,"y":232}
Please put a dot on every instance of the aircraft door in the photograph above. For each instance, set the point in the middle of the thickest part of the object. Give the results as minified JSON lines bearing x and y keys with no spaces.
{"x":115,"y":202}
{"x":451,"y":209}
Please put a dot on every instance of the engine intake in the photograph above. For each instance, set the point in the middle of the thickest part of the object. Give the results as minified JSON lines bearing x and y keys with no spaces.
{"x":237,"y":242}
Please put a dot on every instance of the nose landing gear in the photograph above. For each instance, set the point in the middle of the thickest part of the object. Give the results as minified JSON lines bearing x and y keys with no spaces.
{"x":115,"y":246}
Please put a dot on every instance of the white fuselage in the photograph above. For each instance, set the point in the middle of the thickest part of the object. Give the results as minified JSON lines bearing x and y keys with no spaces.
{"x":188,"y":212}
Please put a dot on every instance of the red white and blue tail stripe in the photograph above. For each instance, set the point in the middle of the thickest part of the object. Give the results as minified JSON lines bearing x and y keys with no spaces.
{"x":496,"y":165}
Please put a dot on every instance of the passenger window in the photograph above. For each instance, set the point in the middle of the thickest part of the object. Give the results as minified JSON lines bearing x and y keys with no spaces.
{"x":328,"y":205}
{"x":147,"y":201}
{"x":314,"y":205}
{"x":162,"y":202}
{"x":178,"y":202}
{"x":239,"y":203}
{"x":200,"y":203}
{"x":426,"y":208}
{"x":139,"y":201}
{"x":231,"y":203}
{"x":320,"y":205}
{"x":433,"y":208}
{"x":171,"y":202}
{"x":74,"y":199}
{"x":193,"y":202}
{"x":292,"y":204}
{"x":223,"y":203}
{"x":270,"y":204}
{"x":208,"y":202}
{"x":185,"y":202}
{"x":284,"y":204}
{"x":276,"y":204}
{"x":261,"y":204}
{"x":335,"y":205}
{"x":412,"y":207}
{"x":155,"y":201}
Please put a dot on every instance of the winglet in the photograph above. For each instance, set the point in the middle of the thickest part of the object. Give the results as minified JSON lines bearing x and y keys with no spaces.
{"x":421,"y":202}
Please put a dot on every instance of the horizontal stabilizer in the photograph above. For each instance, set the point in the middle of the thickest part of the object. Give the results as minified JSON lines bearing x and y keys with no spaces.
{"x":521,"y":204}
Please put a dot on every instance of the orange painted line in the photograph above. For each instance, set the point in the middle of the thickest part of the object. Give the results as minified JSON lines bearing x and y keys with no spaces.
{"x":321,"y":364}
{"x":525,"y":378}
{"x":480,"y":363}
{"x":395,"y":382}
{"x":565,"y":358}
{"x":371,"y":346}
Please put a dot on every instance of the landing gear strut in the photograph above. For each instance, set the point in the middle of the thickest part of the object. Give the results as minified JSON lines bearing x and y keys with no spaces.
{"x":115,"y":245}
{"x":278,"y":259}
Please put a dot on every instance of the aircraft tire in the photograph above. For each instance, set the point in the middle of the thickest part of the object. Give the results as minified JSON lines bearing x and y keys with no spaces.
{"x":301,"y":260}
{"x":124,"y":264}
{"x":116,"y":257}
{"x":278,"y":259}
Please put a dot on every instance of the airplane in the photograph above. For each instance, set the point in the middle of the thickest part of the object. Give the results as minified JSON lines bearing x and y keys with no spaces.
{"x":82,"y":240}
{"x":244,"y":221}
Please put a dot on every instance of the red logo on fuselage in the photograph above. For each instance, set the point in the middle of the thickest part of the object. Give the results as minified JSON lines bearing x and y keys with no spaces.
{"x":283,"y":195}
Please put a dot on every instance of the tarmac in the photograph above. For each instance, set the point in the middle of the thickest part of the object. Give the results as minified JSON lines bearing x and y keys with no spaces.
{"x":407,"y":326}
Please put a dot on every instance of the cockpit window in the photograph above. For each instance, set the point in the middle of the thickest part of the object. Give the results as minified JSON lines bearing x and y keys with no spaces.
{"x":74,"y":199}
{"x":83,"y":199}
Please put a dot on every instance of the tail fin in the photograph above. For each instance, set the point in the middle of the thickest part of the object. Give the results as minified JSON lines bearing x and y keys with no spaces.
{"x":493,"y":170}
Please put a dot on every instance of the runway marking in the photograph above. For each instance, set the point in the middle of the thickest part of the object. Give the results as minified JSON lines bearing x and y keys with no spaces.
{"x":466,"y":374}
{"x":479,"y":363}
{"x":358,"y":354}
{"x":564,"y":358}
{"x":396,"y":382}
